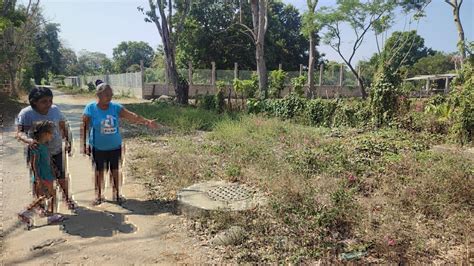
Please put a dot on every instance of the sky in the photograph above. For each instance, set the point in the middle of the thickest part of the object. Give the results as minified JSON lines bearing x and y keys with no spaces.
{"x":100,"y":25}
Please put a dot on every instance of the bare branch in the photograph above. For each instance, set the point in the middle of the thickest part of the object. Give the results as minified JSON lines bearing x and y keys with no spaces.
{"x":170,"y":11}
{"x":450,"y":3}
{"x":247,"y":31}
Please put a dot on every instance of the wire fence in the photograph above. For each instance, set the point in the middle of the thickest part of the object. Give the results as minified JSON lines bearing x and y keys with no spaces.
{"x":131,"y":83}
{"x":330,"y":76}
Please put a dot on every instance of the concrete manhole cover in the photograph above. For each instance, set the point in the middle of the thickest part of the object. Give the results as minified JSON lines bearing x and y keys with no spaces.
{"x":229,"y":193}
{"x":218,"y":195}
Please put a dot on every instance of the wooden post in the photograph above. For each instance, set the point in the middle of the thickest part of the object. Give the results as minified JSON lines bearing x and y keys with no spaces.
{"x":280,"y":66}
{"x":190,"y":73}
{"x":213,"y":74}
{"x":341,"y":75}
{"x":236,"y":70}
{"x":301,"y":69}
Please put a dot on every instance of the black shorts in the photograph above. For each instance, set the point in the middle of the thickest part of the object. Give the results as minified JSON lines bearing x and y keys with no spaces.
{"x":106,"y":160}
{"x":57,"y":163}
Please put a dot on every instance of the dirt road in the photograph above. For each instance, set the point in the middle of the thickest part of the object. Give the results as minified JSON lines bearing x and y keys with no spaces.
{"x":142,"y":231}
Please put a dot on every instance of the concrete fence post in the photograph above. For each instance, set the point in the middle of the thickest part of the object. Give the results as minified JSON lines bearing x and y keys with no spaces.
{"x":190,"y":73}
{"x":321,"y":69}
{"x":213,"y":73}
{"x":142,"y":77}
{"x":301,"y":69}
{"x":341,"y":75}
{"x":358,"y":73}
{"x":236,"y":70}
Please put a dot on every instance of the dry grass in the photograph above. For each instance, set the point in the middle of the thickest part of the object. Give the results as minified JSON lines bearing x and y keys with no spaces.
{"x":330,"y":191}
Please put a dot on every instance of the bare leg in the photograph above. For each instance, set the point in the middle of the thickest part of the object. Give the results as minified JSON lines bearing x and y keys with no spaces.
{"x":99,"y":184}
{"x":116,"y":183}
{"x":64,"y":188}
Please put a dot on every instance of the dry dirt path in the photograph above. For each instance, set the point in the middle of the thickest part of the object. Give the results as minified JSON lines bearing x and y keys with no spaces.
{"x":142,"y":231}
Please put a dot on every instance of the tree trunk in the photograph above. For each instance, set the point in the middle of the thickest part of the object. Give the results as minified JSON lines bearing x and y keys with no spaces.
{"x":165,"y":30}
{"x":361,"y":81}
{"x":457,"y":20}
{"x":261,"y":70}
{"x":259,"y":19}
{"x":311,"y":65}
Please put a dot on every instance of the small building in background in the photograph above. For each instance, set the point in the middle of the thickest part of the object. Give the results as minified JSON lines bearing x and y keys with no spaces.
{"x":437,"y":83}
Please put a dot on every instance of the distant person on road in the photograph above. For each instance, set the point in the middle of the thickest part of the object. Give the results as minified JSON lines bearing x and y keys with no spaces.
{"x":42,"y":108}
{"x":43,"y":175}
{"x":101,"y":138}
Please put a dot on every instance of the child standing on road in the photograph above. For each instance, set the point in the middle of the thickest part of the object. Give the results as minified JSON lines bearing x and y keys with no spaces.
{"x":42,"y":108}
{"x":43,"y":174}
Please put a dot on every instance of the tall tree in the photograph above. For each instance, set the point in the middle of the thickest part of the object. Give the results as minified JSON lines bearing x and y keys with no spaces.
{"x":211,"y":35}
{"x":360,"y":16}
{"x":69,"y":63}
{"x":131,"y":53}
{"x":284,"y":41}
{"x":168,"y":26}
{"x":438,"y":63}
{"x":455,"y":5}
{"x":405,"y":49}
{"x":92,"y":63}
{"x":47,"y":47}
{"x":18,"y":25}
{"x":257,"y":34}
{"x":401,"y":51}
{"x":310,"y":29}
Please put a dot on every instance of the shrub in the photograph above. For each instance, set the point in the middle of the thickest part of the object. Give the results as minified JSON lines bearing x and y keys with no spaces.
{"x":298,"y":85}
{"x":320,"y":112}
{"x":289,"y":107}
{"x":383,"y":100}
{"x":276,"y":83}
{"x":462,"y":100}
{"x":220,"y":97}
{"x":27,"y":82}
{"x":90,"y":86}
{"x":207,"y":102}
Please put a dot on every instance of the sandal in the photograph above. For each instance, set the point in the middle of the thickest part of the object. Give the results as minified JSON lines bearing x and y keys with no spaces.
{"x":120,"y":200}
{"x":25,"y":217}
{"x":71,"y":205}
{"x":55,"y":218}
{"x":43,"y":212}
{"x":97,"y":201}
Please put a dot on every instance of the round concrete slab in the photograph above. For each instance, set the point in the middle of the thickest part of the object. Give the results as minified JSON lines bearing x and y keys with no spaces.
{"x":218,"y":195}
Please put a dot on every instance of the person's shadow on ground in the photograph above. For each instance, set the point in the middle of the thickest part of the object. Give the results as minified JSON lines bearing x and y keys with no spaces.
{"x":149,"y":207}
{"x":90,"y":223}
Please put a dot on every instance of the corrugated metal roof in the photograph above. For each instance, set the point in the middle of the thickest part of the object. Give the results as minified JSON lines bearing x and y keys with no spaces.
{"x":432,"y":77}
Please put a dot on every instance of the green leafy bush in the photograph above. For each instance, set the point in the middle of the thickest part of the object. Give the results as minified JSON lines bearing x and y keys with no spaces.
{"x":298,"y":84}
{"x":207,"y":102}
{"x":462,"y":100}
{"x":383,"y":100}
{"x":220,"y":97}
{"x":90,"y":86}
{"x":276,"y":83}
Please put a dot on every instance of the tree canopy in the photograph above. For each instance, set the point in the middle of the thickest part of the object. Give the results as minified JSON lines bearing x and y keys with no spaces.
{"x":130,"y":53}
{"x":211,"y":33}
